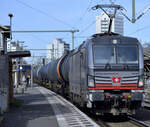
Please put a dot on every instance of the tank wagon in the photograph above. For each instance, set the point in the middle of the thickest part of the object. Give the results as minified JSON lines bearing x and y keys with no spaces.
{"x":105,"y":74}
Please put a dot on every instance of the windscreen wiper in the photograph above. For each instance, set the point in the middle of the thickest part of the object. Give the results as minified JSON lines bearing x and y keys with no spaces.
{"x":107,"y":66}
{"x":126,"y":67}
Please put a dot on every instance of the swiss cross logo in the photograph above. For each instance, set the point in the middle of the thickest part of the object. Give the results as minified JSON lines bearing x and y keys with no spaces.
{"x":116,"y":79}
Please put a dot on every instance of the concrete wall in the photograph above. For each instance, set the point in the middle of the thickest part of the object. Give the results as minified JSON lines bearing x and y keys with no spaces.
{"x":4,"y":83}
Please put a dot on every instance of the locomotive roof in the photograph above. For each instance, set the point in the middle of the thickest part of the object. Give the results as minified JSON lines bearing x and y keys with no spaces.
{"x":107,"y":39}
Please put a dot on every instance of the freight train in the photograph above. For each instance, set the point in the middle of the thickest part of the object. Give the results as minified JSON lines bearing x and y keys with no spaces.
{"x":104,"y":74}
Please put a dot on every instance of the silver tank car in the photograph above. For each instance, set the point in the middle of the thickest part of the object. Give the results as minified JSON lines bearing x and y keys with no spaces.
{"x":57,"y":71}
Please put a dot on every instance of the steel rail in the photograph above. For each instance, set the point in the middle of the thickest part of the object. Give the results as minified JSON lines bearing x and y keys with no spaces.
{"x":138,"y":123}
{"x":102,"y":123}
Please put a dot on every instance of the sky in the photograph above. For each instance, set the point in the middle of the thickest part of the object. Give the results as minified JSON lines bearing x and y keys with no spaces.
{"x":66,"y":15}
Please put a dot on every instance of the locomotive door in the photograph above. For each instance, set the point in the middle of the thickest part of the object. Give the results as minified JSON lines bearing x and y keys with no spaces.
{"x":82,"y":70}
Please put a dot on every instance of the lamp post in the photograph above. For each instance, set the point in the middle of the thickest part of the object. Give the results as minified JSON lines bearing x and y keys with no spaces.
{"x":10,"y":16}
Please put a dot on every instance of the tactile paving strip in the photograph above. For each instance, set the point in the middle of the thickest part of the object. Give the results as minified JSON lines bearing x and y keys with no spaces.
{"x":66,"y":113}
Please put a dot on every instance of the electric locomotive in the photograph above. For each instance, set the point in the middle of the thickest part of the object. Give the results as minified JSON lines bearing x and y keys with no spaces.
{"x":107,"y":74}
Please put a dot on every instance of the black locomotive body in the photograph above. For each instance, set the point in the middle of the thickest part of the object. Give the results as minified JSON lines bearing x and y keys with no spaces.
{"x":105,"y":74}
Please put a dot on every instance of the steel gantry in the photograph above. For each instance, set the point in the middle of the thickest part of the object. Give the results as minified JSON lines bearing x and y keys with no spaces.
{"x":45,"y":31}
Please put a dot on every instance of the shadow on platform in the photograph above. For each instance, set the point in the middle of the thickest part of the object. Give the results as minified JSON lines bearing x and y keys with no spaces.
{"x":34,"y":112}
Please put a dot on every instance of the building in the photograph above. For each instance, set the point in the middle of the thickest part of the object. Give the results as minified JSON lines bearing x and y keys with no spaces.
{"x":102,"y":24}
{"x":14,"y":46}
{"x":56,"y":49}
{"x":3,"y":38}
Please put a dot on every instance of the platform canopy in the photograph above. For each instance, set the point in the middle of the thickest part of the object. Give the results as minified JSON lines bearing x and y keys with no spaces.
{"x":19,"y":54}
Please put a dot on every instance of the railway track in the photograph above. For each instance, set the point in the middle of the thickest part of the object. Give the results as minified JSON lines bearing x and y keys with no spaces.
{"x":137,"y":122}
{"x":123,"y":122}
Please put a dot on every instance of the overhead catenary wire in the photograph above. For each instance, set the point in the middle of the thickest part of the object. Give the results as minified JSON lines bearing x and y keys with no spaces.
{"x":86,"y":10}
{"x":87,"y":27}
{"x":112,"y":2}
{"x":140,"y":29}
{"x":38,"y":38}
{"x":82,"y":36}
{"x":83,"y":15}
{"x":44,"y":13}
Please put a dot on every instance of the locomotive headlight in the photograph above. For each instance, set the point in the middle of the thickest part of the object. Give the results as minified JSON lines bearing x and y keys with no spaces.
{"x":141,"y":82}
{"x":90,"y":81}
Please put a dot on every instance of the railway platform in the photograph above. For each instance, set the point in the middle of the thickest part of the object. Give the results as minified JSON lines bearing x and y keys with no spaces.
{"x":44,"y":108}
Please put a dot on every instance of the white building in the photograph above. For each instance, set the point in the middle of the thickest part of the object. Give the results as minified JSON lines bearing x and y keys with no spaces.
{"x":56,"y":49}
{"x":14,"y":46}
{"x":102,"y":24}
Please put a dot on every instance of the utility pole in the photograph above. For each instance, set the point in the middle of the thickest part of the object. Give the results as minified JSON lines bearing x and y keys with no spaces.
{"x":134,"y":19}
{"x":73,"y":40}
{"x":133,"y":11}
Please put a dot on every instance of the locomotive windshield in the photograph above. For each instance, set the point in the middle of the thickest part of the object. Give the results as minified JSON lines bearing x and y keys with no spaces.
{"x":111,"y":54}
{"x":127,"y":54}
{"x":104,"y":54}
